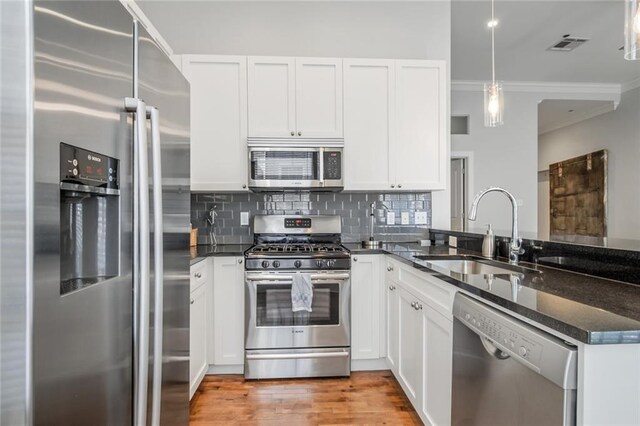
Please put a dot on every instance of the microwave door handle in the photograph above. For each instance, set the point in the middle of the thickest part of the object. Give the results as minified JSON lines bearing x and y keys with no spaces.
{"x":141,"y":269}
{"x":158,"y":265}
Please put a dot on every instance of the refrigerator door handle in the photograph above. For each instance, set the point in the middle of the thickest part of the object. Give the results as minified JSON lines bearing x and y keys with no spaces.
{"x":158,"y":254}
{"x":141,"y":271}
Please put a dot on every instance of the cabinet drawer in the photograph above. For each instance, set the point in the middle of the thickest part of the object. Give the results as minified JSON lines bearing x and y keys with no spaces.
{"x":199,"y":274}
{"x":391,"y":269}
{"x":438,"y":295}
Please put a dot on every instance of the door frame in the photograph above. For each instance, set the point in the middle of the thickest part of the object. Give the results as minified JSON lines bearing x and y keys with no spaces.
{"x":467,"y":156}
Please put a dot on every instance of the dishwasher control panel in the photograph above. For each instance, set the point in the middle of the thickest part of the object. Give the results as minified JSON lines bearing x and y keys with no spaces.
{"x":513,"y":340}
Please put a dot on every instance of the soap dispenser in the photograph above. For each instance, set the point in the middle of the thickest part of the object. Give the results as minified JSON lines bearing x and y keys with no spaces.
{"x":489,"y":243}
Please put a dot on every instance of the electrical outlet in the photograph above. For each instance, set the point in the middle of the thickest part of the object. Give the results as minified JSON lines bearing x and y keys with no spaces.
{"x":405,"y":218}
{"x":244,"y":218}
{"x":421,"y":218}
{"x":453,"y":241}
{"x":391,"y":218}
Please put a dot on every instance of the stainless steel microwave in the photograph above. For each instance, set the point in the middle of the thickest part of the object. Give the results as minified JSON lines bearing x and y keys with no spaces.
{"x":295,"y":168}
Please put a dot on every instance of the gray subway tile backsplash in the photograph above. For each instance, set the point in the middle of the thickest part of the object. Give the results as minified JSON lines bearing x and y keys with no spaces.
{"x":352,"y":207}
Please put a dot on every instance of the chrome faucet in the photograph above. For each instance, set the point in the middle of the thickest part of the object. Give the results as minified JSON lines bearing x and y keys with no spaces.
{"x":515,"y":248}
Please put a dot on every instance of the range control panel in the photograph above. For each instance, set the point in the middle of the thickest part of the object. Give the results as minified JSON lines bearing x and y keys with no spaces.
{"x":83,"y":167}
{"x":295,"y":222}
{"x":516,"y":342}
{"x":332,"y":165}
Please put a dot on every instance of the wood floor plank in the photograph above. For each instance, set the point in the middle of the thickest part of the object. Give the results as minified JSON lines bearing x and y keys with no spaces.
{"x":365,"y":398}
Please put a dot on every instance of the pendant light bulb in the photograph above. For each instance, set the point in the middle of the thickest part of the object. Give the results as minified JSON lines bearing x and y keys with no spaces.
{"x":493,"y":94}
{"x":632,"y":30}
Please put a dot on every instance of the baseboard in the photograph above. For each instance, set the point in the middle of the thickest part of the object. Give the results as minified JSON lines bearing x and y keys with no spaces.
{"x":226,"y":369}
{"x":369,"y":364}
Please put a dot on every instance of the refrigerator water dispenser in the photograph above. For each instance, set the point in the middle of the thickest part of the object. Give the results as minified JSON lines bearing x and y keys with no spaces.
{"x":89,"y":218}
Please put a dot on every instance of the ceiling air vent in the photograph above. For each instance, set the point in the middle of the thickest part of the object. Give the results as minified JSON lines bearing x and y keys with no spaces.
{"x":568,"y":43}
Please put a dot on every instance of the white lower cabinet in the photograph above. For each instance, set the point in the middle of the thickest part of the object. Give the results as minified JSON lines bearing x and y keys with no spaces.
{"x":420,"y":340}
{"x":366,"y":304}
{"x":226,"y":333}
{"x":198,"y":325}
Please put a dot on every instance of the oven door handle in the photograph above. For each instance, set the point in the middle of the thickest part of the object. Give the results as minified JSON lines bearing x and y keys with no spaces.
{"x":289,"y":278}
{"x":299,"y":355}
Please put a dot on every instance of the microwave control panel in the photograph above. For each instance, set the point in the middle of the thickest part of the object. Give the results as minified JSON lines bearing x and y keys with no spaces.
{"x":332,"y":165}
{"x":83,"y":167}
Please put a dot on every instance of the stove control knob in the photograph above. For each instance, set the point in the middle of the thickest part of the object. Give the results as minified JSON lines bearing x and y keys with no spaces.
{"x":319,"y":263}
{"x":265,"y":264}
{"x":276,"y":264}
{"x":297,"y":264}
{"x":330,"y":263}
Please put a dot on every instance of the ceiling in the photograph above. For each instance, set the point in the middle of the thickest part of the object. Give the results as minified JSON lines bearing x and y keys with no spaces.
{"x":554,"y":114}
{"x":527,"y":28}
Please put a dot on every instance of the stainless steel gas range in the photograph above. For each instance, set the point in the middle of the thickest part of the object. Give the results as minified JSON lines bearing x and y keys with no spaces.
{"x":281,"y":342}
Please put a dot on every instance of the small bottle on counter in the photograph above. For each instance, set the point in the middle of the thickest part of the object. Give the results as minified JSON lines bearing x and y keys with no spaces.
{"x":489,"y":243}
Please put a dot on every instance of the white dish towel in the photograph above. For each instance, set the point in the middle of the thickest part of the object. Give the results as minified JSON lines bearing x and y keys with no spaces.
{"x":301,"y":292}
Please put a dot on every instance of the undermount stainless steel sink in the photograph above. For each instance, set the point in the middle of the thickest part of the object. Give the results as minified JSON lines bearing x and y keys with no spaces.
{"x":469,"y":265}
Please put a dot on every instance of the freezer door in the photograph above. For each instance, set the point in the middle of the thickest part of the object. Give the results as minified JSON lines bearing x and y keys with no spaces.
{"x":161,"y":85}
{"x":82,"y":315}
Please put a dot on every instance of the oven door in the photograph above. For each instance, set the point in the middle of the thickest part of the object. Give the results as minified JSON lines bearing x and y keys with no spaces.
{"x":271,"y":323}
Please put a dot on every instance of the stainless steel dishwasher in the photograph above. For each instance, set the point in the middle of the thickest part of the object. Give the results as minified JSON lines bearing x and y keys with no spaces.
{"x":506,"y":372}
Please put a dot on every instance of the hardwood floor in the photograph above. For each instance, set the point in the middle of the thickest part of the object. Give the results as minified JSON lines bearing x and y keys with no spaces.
{"x":364,"y":398}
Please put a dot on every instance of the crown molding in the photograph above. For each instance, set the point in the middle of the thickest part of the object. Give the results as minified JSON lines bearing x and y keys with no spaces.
{"x":540,"y":87}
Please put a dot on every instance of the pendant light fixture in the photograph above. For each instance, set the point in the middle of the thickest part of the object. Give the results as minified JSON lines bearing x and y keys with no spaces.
{"x":493,"y":94}
{"x":632,"y":30}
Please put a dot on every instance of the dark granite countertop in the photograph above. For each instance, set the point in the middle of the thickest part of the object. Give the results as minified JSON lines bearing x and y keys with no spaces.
{"x":589,"y":309}
{"x":200,"y":252}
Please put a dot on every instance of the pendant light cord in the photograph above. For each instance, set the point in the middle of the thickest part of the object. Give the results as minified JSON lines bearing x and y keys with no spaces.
{"x":493,"y":43}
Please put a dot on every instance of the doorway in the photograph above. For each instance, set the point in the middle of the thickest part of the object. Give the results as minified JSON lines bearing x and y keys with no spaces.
{"x":459,"y":194}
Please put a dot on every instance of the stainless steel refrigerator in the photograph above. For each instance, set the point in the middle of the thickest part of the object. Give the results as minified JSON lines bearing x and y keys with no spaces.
{"x":100,"y":129}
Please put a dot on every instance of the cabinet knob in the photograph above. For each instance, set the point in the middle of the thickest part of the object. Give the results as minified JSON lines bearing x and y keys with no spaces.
{"x":389,"y":268}
{"x":355,"y":259}
{"x":244,"y":186}
{"x":239,"y":260}
{"x":413,"y":305}
{"x":393,"y":186}
{"x":198,"y":275}
{"x":191,"y":301}
{"x":399,"y":186}
{"x":299,"y":133}
{"x":419,"y":306}
{"x":392,"y":287}
{"x":293,"y":134}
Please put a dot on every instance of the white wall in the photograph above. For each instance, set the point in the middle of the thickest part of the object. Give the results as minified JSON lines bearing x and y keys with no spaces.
{"x":504,"y":156}
{"x":361,"y":29}
{"x":619,"y":132}
{"x":355,"y":29}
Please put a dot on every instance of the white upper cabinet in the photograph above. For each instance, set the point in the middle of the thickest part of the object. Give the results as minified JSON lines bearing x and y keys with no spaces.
{"x":421,"y":143}
{"x":272,"y":97}
{"x":319,"y":98}
{"x":218,"y":122}
{"x":395,"y":125}
{"x":369,"y":117}
{"x":295,"y":98}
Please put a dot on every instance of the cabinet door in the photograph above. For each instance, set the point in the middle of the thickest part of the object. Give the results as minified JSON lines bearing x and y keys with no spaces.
{"x":218,"y":122}
{"x":369,"y":109}
{"x":319,"y":98}
{"x":365,"y":307}
{"x":435,"y":407}
{"x":410,"y":347}
{"x":197,"y":338}
{"x":392,"y":323}
{"x":272,"y":100}
{"x":228,"y":310}
{"x":420,"y":148}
